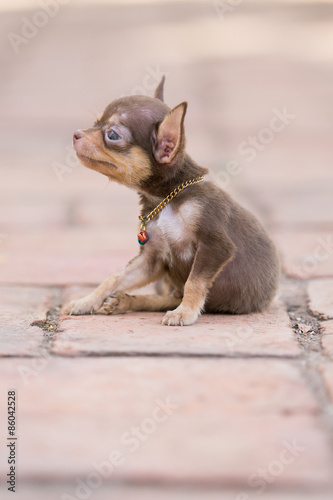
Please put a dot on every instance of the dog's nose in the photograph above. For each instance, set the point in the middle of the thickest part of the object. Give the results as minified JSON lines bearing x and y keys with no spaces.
{"x":77,"y":135}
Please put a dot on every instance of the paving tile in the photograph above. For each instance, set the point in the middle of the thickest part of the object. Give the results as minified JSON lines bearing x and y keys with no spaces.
{"x":327,"y":327}
{"x":327,"y":343}
{"x":298,"y":205}
{"x":117,"y":211}
{"x":19,"y":307}
{"x":327,"y":371}
{"x":222,"y":420}
{"x":83,"y":198}
{"x":31,"y":214}
{"x":327,"y":337}
{"x":320,"y":294}
{"x":85,"y":255}
{"x":266,"y":333}
{"x":306,"y":254}
{"x":165,"y":492}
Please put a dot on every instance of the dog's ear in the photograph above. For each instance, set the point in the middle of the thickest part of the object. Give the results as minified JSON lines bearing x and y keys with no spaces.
{"x":170,"y":135}
{"x":158,"y":94}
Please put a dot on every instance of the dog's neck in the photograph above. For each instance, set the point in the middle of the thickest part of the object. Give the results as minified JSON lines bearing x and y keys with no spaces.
{"x":155,"y":189}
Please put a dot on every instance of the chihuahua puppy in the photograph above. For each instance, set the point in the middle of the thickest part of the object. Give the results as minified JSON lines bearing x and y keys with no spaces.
{"x":213,"y":254}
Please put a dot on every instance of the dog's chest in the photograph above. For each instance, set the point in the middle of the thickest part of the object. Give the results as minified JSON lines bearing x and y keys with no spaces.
{"x":173,"y":233}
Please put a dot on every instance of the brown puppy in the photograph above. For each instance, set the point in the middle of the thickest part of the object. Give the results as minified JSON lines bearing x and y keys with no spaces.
{"x":215,"y":256}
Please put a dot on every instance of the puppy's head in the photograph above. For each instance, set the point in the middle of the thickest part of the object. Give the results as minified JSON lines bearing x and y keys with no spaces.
{"x":136,"y":138}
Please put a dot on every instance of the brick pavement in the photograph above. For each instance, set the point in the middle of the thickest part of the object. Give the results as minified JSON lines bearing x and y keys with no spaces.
{"x":231,"y":408}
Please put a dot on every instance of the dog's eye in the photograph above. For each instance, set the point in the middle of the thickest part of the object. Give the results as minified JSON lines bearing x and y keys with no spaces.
{"x":113,"y":136}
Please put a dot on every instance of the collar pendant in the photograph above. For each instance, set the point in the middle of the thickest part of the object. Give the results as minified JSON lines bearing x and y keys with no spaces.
{"x":143,"y":236}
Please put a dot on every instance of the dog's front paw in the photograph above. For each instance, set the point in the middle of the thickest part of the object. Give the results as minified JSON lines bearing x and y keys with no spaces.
{"x":118,"y":303}
{"x":181,"y":316}
{"x":86,"y":305}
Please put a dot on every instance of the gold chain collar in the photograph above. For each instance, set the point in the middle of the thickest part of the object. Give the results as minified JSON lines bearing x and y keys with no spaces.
{"x":142,"y":235}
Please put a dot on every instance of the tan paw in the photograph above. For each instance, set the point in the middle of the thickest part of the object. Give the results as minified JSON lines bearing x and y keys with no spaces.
{"x":118,"y":303}
{"x":86,"y":305}
{"x":180,"y":317}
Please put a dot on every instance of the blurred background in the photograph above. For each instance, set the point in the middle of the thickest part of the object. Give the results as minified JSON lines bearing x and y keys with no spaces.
{"x":258,"y":78}
{"x":237,"y":63}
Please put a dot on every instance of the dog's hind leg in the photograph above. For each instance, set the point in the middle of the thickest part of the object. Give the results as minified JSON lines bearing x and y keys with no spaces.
{"x":122,"y":302}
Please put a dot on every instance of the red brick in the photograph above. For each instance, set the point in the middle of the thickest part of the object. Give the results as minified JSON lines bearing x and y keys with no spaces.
{"x":327,"y":342}
{"x":327,"y":371}
{"x":54,"y":491}
{"x":290,"y":207}
{"x":117,"y":211}
{"x":327,"y":337}
{"x":34,"y":214}
{"x":233,"y":416}
{"x":327,"y":327}
{"x":268,"y":333}
{"x":303,"y":253}
{"x":20,"y":306}
{"x":321,"y":297}
{"x":65,"y":256}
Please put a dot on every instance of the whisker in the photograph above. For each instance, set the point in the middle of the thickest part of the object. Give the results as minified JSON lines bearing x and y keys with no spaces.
{"x":95,"y":114}
{"x":105,"y":185}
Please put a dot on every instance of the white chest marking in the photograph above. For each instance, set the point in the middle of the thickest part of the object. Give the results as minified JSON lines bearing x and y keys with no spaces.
{"x":171,"y":225}
{"x":177,"y":228}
